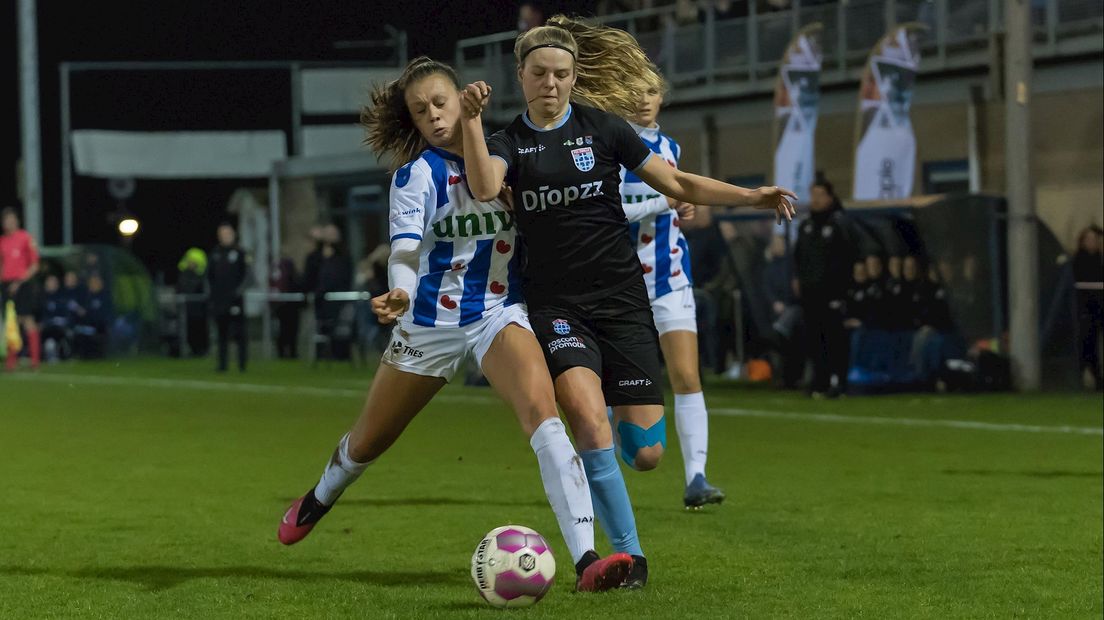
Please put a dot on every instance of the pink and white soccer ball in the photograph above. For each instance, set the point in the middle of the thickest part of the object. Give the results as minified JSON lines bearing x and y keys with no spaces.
{"x":513,"y":566}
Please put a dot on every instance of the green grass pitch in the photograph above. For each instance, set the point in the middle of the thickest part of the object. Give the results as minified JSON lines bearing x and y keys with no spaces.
{"x":153,"y":489}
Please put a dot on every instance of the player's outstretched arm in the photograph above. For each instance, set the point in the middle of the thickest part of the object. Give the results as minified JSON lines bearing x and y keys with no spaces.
{"x":640,"y":211}
{"x":485,"y":174}
{"x":696,"y":189}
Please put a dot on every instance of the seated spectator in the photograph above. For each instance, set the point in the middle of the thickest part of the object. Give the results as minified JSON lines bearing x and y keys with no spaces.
{"x":896,"y":306}
{"x":75,"y":295}
{"x":911,"y":294}
{"x":788,"y":356}
{"x":936,"y":309}
{"x":936,"y":339}
{"x":56,"y":323}
{"x":856,"y":314}
{"x":875,"y":293}
{"x":93,"y":326}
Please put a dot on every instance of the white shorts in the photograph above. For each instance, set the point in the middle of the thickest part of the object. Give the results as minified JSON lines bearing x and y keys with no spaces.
{"x":676,"y":311}
{"x":440,"y":351}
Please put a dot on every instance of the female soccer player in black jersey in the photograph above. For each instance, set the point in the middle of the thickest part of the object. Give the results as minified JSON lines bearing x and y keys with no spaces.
{"x":587,"y":300}
{"x":416,"y":120}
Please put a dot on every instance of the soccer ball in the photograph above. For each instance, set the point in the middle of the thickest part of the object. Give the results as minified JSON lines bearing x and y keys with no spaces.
{"x":513,"y":566}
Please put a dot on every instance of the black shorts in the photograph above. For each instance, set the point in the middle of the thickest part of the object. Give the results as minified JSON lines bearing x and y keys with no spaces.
{"x":26,"y":298}
{"x":614,"y":336}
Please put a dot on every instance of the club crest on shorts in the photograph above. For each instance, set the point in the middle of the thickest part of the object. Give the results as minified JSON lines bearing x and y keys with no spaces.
{"x":584,"y":158}
{"x":561,"y":327}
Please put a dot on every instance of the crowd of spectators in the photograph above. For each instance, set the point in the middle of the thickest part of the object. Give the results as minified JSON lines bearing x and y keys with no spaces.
{"x":76,"y":316}
{"x":836,"y":311}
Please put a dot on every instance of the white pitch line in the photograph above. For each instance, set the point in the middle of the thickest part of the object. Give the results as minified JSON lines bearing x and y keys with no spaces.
{"x":220,"y":386}
{"x":303,"y":390}
{"x":850,"y":419}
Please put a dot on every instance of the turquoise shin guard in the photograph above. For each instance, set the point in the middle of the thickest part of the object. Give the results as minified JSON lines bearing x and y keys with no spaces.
{"x":631,"y":438}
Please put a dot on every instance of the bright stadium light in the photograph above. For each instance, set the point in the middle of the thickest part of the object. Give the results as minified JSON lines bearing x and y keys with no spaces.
{"x":128,"y":226}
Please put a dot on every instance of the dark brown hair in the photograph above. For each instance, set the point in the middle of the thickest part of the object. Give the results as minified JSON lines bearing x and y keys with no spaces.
{"x":388,"y":127}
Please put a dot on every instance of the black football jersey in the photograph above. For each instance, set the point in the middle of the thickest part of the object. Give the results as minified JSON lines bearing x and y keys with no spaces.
{"x":567,"y":201}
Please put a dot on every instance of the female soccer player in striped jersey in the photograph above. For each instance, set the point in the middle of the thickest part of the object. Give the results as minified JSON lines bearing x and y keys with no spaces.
{"x":587,"y":300}
{"x":455,"y":291}
{"x":665,"y":258}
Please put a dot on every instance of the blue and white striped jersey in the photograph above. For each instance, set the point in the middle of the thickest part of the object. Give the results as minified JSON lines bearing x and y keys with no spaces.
{"x":467,"y":263}
{"x":662,"y":249}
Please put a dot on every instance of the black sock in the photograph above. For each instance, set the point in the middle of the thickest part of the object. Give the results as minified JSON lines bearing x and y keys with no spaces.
{"x":590,"y":557}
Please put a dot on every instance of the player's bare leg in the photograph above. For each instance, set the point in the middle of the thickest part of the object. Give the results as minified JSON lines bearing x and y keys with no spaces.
{"x":680,"y":349}
{"x":579,"y":393}
{"x":394,"y":399}
{"x":640,"y":436}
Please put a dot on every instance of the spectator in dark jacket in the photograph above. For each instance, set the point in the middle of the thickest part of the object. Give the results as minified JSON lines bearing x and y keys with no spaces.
{"x":285,"y":279}
{"x":823,"y":259}
{"x":227,"y":270}
{"x":874,"y":298}
{"x":335,"y":274}
{"x":191,"y":282}
{"x":708,"y":252}
{"x":55,"y":321}
{"x":93,"y":325}
{"x":1088,"y":273}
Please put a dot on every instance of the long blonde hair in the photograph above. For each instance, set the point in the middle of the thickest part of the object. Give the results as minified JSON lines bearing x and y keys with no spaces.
{"x":612,"y":70}
{"x":388,"y":127}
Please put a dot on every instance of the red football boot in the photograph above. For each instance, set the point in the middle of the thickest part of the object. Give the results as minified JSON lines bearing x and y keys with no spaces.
{"x":300,"y":518}
{"x":600,"y":574}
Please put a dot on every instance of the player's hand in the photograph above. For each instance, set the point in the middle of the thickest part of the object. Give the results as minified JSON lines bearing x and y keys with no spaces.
{"x":391,"y":305}
{"x":685,"y":210}
{"x":474,"y":98}
{"x":777,"y":199}
{"x":506,"y":195}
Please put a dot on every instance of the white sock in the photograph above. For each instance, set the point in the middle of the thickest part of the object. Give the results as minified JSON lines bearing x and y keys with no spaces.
{"x":565,"y":483}
{"x":340,"y":472}
{"x":692,"y":424}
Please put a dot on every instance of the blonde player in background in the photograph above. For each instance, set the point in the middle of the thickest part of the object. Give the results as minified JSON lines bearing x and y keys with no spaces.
{"x":665,"y":257}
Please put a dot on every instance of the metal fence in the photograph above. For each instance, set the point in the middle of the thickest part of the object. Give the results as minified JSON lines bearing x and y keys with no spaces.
{"x":173,"y":318}
{"x":724,"y":55}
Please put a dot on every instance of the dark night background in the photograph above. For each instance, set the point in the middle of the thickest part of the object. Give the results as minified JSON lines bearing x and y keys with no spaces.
{"x":177,"y":214}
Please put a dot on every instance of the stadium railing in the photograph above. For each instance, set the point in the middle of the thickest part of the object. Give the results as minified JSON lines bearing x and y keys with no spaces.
{"x":178,"y":303}
{"x":722,"y":56}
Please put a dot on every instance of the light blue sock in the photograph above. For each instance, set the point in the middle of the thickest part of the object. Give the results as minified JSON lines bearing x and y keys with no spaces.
{"x":611,"y":500}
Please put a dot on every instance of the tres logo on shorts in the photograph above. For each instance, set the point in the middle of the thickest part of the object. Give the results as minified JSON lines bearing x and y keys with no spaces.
{"x":398,"y":348}
{"x":561,"y":327}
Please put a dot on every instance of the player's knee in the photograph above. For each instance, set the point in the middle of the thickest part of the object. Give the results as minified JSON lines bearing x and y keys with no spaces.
{"x":684,"y":380}
{"x":591,"y":432}
{"x":648,"y":458}
{"x":641,"y":448}
{"x":532,"y":416}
